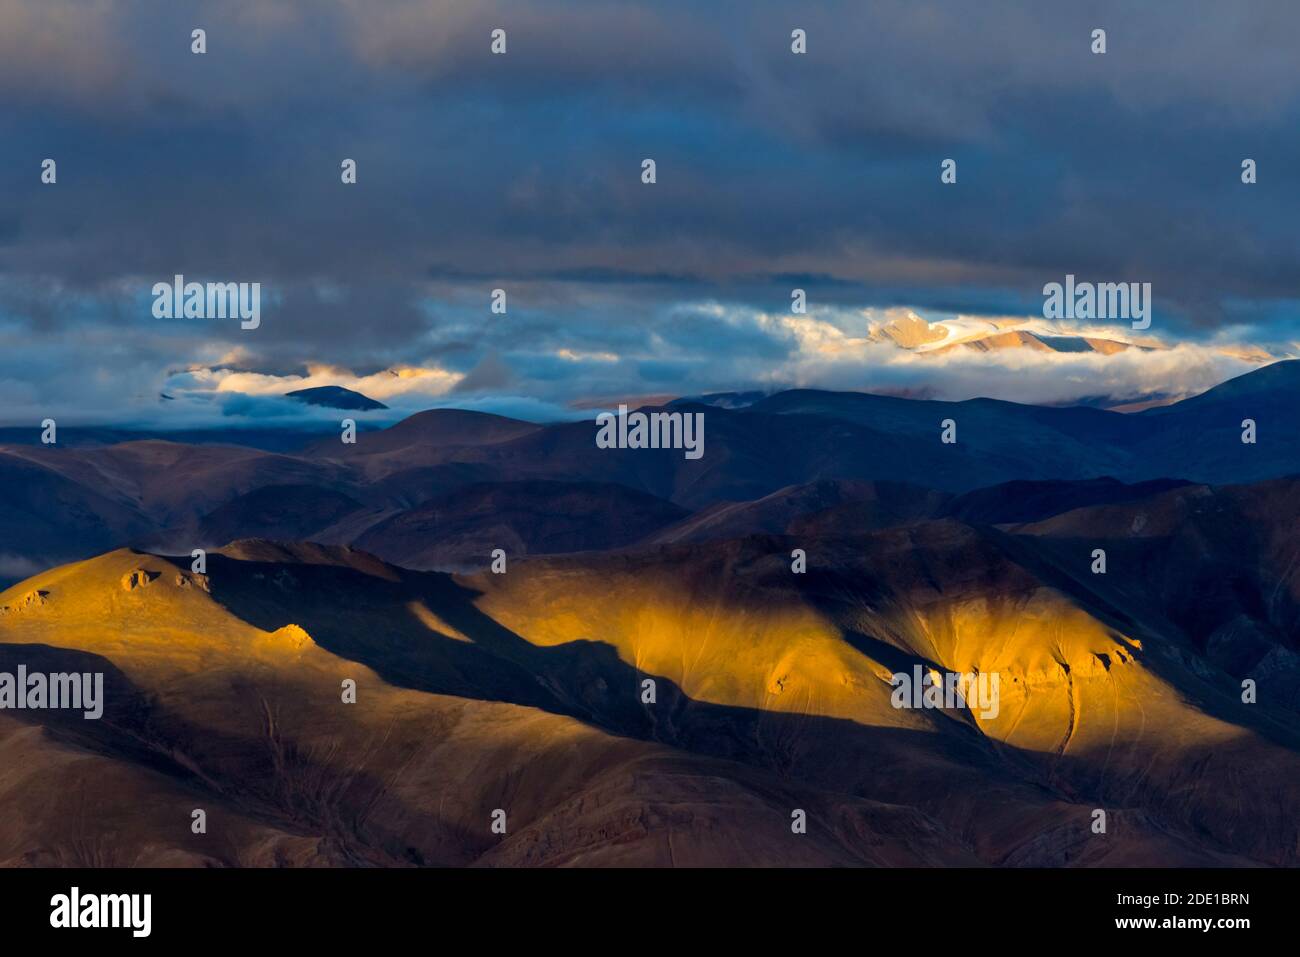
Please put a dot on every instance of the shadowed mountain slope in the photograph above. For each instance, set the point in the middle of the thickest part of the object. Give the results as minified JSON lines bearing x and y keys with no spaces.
{"x":220,"y":710}
{"x":525,"y":691}
{"x":825,"y":507}
{"x":1217,"y":567}
{"x":465,"y":525}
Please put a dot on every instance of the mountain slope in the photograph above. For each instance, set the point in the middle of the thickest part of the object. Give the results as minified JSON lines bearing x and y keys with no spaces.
{"x":525,"y":691}
{"x":71,"y":502}
{"x":462,"y":527}
{"x":206,"y":709}
{"x":1093,"y":709}
{"x":826,"y":507}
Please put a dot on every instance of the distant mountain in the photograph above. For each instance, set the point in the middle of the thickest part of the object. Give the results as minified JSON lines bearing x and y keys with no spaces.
{"x":48,"y":517}
{"x":1277,"y":384}
{"x":281,"y":512}
{"x":335,"y":397}
{"x":427,"y":436}
{"x":796,"y":460}
{"x":462,"y":527}
{"x":1197,"y":439}
{"x":1011,"y":440}
{"x":826,"y":507}
{"x":830,"y":508}
{"x":1201,"y":438}
{"x":1015,"y":502}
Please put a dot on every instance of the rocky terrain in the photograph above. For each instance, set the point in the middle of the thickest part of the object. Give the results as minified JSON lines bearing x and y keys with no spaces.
{"x":677,"y":659}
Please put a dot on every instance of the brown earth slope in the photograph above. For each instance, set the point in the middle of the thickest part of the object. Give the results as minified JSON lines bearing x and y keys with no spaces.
{"x":524,"y":692}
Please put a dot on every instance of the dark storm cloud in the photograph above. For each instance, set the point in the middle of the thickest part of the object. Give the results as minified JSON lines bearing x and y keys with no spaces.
{"x":523,"y":171}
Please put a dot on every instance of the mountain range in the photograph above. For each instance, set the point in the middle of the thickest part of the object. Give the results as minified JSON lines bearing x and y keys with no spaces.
{"x":65,"y":503}
{"x":768,"y":592}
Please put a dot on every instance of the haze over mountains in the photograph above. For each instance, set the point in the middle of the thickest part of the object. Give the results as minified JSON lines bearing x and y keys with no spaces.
{"x":523,"y":690}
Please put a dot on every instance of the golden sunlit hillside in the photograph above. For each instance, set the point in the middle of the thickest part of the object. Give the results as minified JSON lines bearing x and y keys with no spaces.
{"x":526,"y":692}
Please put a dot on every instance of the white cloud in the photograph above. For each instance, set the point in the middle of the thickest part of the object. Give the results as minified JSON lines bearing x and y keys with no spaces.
{"x":848,"y":349}
{"x":390,"y":384}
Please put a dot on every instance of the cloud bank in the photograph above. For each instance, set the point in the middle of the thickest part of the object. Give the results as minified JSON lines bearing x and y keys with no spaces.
{"x":522,"y":172}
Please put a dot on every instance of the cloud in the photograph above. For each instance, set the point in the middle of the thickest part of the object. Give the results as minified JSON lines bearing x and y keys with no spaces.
{"x":491,"y":374}
{"x":742,"y":349}
{"x":388,"y":384}
{"x":526,"y":165}
{"x":1018,"y":375}
{"x":522,"y":172}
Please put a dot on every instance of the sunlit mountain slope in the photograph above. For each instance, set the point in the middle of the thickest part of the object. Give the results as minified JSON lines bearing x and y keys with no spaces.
{"x":524,"y":692}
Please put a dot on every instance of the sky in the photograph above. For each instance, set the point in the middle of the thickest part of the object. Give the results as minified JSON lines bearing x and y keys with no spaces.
{"x":522,"y":171}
